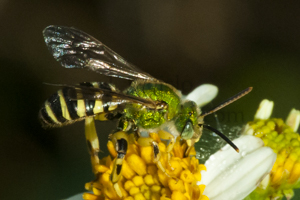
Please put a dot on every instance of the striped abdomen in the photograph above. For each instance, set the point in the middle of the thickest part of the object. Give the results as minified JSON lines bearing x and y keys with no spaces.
{"x":72,"y":104}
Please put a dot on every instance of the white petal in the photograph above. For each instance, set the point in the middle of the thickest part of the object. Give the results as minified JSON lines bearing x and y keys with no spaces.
{"x":226,"y":157}
{"x":265,"y":182}
{"x":248,"y":130}
{"x":264,"y":110}
{"x":232,"y":175}
{"x":293,"y":119}
{"x":203,"y":94}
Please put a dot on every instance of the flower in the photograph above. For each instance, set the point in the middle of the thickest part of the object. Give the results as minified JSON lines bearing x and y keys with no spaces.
{"x":172,"y":176}
{"x":229,"y":175}
{"x":203,"y":94}
{"x":142,"y":179}
{"x":282,"y":138}
{"x":232,"y":175}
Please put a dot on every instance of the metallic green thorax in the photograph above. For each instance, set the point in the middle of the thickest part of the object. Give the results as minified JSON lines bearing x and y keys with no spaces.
{"x":151,"y":118}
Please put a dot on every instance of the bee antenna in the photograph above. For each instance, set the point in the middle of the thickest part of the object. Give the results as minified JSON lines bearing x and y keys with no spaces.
{"x":55,"y":84}
{"x":228,"y":101}
{"x":222,"y":136}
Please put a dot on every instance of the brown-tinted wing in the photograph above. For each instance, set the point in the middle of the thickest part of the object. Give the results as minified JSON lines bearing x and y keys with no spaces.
{"x":76,"y":49}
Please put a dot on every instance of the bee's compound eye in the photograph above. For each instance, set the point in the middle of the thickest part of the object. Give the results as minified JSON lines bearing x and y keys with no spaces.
{"x":188,"y":131}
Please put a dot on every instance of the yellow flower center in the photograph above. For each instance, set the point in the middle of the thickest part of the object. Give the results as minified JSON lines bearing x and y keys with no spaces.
{"x":143,"y":179}
{"x":285,"y":174}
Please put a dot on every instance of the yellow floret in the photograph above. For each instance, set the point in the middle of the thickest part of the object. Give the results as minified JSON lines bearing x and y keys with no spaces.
{"x":96,"y":191}
{"x":177,"y":195}
{"x":151,"y":169}
{"x":89,"y":196}
{"x":88,"y":186}
{"x":156,"y":179}
{"x":134,"y":190}
{"x":147,"y":194}
{"x":144,"y":188}
{"x":137,"y":164}
{"x":285,"y":142}
{"x":155,"y":137}
{"x":187,"y":176}
{"x":143,"y":179}
{"x":155,"y":188}
{"x":139,"y":196}
{"x":288,"y":165}
{"x":176,"y":167}
{"x":101,"y":168}
{"x":178,"y":150}
{"x":155,"y":196}
{"x":147,"y":154}
{"x":166,"y":191}
{"x":176,"y":185}
{"x":127,"y":171}
{"x":128,"y":185}
{"x":203,"y":197}
{"x":149,"y":179}
{"x":111,"y":149}
{"x":295,"y":174}
{"x":129,"y":198}
{"x":132,"y":149}
{"x":122,"y":189}
{"x":163,"y":178}
{"x":138,"y":180}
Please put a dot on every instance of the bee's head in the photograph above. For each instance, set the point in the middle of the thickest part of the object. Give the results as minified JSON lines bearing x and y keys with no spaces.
{"x":187,"y":120}
{"x":190,"y":121}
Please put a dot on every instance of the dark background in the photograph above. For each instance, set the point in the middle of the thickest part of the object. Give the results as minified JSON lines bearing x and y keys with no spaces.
{"x":231,"y":44}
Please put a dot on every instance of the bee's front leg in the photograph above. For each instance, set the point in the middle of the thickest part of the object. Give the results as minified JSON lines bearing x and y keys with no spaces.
{"x":120,"y":142}
{"x":171,"y":139}
{"x":148,"y":141}
{"x":190,"y":143}
{"x":92,"y":141}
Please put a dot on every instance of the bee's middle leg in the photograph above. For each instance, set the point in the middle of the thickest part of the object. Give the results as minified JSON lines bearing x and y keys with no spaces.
{"x":120,"y":143}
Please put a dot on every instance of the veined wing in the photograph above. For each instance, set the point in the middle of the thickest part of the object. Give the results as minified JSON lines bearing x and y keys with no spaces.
{"x":76,"y":49}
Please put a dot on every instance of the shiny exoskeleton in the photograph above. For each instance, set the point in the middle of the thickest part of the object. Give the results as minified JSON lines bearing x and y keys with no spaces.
{"x":148,"y":105}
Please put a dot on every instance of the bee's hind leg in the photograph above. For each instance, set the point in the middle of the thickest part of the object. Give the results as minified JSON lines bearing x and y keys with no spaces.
{"x":92,"y":141}
{"x":120,"y":142}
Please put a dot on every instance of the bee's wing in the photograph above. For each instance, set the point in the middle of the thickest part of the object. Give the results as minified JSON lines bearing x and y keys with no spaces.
{"x":76,"y":49}
{"x":106,"y":95}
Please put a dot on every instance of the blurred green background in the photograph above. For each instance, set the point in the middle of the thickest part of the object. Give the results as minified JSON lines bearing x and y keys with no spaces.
{"x":232,"y":44}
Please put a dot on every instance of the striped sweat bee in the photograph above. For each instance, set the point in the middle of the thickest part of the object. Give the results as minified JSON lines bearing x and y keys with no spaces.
{"x":148,"y":105}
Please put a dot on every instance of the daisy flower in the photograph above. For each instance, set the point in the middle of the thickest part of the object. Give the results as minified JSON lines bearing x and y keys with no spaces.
{"x":282,"y":137}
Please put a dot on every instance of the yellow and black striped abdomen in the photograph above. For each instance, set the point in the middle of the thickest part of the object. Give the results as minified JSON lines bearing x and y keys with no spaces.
{"x":72,"y":104}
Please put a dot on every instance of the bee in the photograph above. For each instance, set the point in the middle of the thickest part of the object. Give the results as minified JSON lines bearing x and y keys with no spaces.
{"x":148,"y":105}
